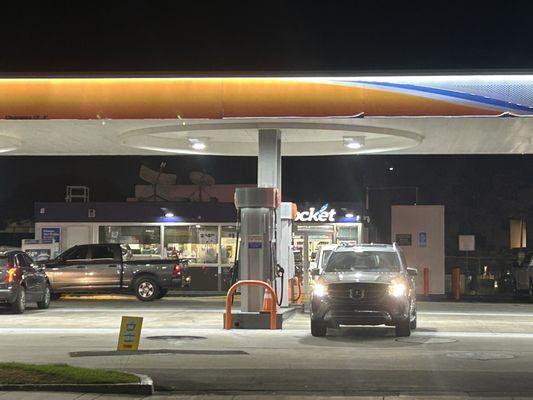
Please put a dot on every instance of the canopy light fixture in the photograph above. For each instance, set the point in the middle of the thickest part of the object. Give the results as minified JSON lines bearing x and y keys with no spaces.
{"x":167,"y":213}
{"x":354,"y":143}
{"x":198,"y":143}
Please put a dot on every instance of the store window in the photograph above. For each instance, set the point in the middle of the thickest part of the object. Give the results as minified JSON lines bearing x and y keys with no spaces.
{"x":346,"y":233}
{"x":143,"y":241}
{"x":196,"y":243}
{"x":228,"y":244}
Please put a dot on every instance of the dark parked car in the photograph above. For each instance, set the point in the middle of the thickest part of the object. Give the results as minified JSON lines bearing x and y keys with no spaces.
{"x":110,"y":268}
{"x":364,"y":285}
{"x":22,"y":282}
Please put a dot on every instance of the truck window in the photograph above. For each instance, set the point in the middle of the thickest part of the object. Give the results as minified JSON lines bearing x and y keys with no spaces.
{"x":105,"y":253}
{"x":80,"y":253}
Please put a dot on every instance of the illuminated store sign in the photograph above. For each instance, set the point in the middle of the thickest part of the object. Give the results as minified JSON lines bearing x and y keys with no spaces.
{"x":314,"y":215}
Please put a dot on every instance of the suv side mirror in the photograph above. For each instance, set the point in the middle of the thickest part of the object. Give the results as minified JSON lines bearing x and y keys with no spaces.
{"x":412,"y":271}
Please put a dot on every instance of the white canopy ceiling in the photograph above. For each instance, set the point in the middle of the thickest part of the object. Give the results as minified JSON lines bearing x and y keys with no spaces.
{"x":300,"y":136}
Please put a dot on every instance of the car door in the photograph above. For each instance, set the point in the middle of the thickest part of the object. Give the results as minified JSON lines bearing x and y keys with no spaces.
{"x":29,"y":277}
{"x":104,"y":267}
{"x":40,"y":276}
{"x":69,"y":272}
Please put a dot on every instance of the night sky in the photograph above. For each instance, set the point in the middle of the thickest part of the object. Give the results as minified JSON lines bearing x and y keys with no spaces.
{"x":277,"y":37}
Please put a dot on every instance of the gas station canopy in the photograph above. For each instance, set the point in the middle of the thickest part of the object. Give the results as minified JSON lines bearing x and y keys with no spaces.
{"x":446,"y":114}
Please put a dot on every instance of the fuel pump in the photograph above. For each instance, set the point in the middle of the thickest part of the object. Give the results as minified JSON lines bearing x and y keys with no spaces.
{"x":257,"y":251}
{"x":264,"y":251}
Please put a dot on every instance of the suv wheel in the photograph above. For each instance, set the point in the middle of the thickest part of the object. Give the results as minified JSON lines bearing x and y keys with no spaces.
{"x":45,"y":302}
{"x":413,"y":323}
{"x":146,"y":289}
{"x":318,"y":328}
{"x":403,"y":328}
{"x":19,"y":306}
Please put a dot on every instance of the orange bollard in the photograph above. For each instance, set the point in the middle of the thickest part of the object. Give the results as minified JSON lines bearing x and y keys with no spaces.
{"x":456,"y":283}
{"x":426,"y":282}
{"x":227,"y":320}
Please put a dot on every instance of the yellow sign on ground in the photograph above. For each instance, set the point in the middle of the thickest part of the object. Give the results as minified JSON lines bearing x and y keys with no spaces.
{"x":130,"y":333}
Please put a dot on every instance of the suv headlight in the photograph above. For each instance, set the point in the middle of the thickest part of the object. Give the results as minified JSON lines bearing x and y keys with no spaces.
{"x":397,"y":289}
{"x":320,"y":290}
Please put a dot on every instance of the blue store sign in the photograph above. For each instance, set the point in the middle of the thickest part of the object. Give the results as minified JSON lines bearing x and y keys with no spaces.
{"x":50,"y":235}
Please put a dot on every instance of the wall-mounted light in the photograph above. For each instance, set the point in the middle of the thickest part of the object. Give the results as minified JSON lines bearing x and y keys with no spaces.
{"x":198,"y":143}
{"x":353,"y":143}
{"x":167,"y":213}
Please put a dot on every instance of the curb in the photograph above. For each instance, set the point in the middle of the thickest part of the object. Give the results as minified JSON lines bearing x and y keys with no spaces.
{"x":144,"y":387}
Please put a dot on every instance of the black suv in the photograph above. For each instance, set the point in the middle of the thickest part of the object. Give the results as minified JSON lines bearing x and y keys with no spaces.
{"x":365,"y":284}
{"x":22,"y":282}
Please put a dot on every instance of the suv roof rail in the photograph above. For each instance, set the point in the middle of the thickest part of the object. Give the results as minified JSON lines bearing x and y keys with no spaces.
{"x":348,"y":244}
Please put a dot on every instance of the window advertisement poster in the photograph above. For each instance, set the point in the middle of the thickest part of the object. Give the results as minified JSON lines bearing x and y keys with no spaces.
{"x":208,"y":236}
{"x":50,"y":235}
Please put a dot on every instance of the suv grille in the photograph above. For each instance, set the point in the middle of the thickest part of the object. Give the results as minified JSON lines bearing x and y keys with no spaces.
{"x":360,"y":293}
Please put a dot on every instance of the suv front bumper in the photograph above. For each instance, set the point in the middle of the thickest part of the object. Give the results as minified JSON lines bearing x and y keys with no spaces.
{"x":387,"y":311}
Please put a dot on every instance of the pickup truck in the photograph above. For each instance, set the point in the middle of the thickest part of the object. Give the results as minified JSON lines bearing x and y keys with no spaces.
{"x":108,"y":268}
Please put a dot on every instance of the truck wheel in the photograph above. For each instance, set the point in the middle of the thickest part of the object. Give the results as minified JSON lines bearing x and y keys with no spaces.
{"x":19,"y":306}
{"x":45,"y":302}
{"x":403,"y":328}
{"x":146,"y":289}
{"x":318,"y":328}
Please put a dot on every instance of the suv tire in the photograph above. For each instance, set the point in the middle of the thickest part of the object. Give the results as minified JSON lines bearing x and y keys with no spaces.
{"x":19,"y":306}
{"x":318,"y":328}
{"x":146,"y":288}
{"x":403,"y":328}
{"x":413,"y":323}
{"x":45,"y":302}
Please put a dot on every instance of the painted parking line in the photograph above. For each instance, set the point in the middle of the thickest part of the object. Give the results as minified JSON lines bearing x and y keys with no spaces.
{"x":220,"y":331}
{"x":475,"y":313}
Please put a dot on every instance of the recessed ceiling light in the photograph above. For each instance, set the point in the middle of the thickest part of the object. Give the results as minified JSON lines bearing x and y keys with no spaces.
{"x":198,"y":143}
{"x":169,"y":214}
{"x":348,"y":215}
{"x":353,"y":143}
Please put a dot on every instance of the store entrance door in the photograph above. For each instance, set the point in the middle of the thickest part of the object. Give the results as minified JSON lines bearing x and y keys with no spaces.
{"x":307,"y":239}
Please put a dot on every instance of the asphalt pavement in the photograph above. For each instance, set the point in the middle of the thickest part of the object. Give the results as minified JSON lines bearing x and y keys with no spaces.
{"x":460,"y":349}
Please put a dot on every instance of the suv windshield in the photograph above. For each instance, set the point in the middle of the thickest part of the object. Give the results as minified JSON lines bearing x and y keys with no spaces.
{"x":346,"y":261}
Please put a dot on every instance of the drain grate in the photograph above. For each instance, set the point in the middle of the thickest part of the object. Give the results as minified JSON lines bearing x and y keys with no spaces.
{"x":157,"y":351}
{"x":176,"y":337}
